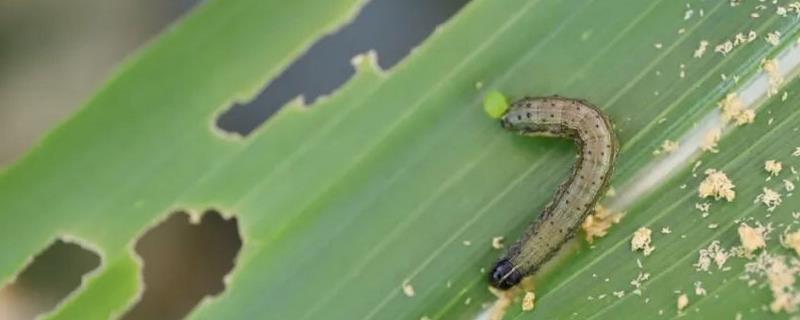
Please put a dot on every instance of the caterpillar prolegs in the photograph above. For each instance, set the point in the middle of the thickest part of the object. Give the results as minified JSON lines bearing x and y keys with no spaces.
{"x":593,"y":133}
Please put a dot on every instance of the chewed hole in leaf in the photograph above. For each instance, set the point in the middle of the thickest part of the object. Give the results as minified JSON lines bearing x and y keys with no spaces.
{"x":47,"y":280}
{"x":183,"y":263}
{"x":391,"y":28}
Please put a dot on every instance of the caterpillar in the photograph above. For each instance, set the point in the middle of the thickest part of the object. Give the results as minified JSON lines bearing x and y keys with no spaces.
{"x":593,"y":133}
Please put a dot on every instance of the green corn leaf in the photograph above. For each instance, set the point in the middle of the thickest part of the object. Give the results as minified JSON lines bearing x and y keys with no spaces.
{"x":400,"y":177}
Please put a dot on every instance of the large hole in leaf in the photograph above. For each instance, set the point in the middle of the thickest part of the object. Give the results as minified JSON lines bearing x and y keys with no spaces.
{"x":183,"y":263}
{"x":390,"y":27}
{"x":53,"y":274}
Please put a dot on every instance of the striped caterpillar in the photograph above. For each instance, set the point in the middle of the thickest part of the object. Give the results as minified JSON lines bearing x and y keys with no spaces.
{"x":592,"y":131}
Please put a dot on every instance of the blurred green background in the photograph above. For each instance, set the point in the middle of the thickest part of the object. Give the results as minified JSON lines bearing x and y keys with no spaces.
{"x":55,"y":54}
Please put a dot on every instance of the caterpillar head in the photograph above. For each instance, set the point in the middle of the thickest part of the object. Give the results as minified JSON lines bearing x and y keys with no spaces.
{"x":503,"y":275}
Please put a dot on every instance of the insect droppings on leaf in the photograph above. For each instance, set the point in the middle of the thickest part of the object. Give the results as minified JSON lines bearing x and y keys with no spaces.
{"x":641,"y":241}
{"x":716,"y":185}
{"x":528,"y":300}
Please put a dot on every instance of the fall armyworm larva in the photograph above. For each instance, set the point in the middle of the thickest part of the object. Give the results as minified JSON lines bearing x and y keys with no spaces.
{"x":592,"y":131}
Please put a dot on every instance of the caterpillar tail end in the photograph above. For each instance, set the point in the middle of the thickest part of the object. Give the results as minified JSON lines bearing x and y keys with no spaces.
{"x":504,"y":275}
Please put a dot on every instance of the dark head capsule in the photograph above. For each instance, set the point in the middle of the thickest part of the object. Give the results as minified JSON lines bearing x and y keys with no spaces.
{"x":504,"y":276}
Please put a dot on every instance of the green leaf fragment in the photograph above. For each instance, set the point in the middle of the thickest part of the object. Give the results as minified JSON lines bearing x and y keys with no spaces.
{"x":495,"y":104}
